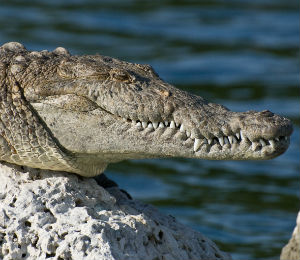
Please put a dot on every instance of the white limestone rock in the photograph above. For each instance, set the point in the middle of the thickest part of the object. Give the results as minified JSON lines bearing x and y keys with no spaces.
{"x":55,"y":215}
{"x":292,"y":250}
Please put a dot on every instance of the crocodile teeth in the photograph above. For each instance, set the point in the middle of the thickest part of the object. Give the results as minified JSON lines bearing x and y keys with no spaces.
{"x":230,"y":138}
{"x":262,"y":142}
{"x":144,"y":124}
{"x":234,"y":140}
{"x":193,"y":135}
{"x":161,"y":125}
{"x":226,"y":140}
{"x":197,"y":144}
{"x":172,"y":125}
{"x":221,"y":141}
{"x":243,"y":137}
{"x":188,"y":134}
{"x":182,"y":129}
{"x":255,"y":145}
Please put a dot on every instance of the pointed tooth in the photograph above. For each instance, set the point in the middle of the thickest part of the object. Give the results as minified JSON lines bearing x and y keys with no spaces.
{"x":230,"y":138}
{"x":176,"y":124}
{"x":150,"y":126}
{"x":234,"y":140}
{"x":272,"y":143}
{"x":205,"y":141}
{"x":238,"y":136}
{"x":182,"y":129}
{"x":285,"y":138}
{"x":221,"y":140}
{"x":172,"y":124}
{"x":139,"y":124}
{"x":242,"y":135}
{"x":193,"y":135}
{"x":188,"y":134}
{"x":197,"y":144}
{"x":226,"y":140}
{"x":254,"y":146}
{"x":144,"y":124}
{"x":262,"y":142}
{"x":166,"y":123}
{"x":277,"y":139}
{"x":155,"y":125}
{"x":161,"y":125}
{"x":209,"y":141}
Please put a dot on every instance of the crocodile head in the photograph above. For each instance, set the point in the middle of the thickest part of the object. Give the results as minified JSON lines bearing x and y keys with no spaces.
{"x":104,"y":110}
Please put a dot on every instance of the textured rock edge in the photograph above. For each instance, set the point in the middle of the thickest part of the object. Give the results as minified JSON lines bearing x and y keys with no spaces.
{"x":58,"y":215}
{"x":292,"y":250}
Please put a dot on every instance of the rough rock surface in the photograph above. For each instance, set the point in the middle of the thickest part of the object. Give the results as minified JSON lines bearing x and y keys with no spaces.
{"x":57,"y":215}
{"x":292,"y":250}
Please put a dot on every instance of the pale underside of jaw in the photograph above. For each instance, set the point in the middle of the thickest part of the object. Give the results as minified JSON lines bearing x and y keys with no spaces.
{"x":215,"y":143}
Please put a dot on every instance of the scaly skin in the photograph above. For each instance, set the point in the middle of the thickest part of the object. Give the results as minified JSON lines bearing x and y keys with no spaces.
{"x":79,"y":113}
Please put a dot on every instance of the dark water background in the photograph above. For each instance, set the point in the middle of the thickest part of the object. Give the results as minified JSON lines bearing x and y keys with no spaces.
{"x":241,"y":53}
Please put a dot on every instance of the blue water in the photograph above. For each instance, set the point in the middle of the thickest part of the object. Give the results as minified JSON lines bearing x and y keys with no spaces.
{"x":240,"y":53}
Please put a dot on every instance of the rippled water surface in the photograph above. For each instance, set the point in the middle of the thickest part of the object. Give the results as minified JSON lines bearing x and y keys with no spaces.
{"x":241,"y":53}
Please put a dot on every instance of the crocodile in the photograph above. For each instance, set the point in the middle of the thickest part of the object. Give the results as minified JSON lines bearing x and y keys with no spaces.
{"x":77,"y":114}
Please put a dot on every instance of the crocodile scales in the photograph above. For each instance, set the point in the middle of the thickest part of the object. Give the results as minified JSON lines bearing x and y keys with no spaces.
{"x":78,"y":113}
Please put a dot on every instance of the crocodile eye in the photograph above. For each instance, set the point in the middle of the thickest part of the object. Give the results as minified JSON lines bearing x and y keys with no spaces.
{"x":121,"y":75}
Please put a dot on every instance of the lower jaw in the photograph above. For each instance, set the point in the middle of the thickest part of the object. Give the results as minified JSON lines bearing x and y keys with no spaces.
{"x":241,"y":151}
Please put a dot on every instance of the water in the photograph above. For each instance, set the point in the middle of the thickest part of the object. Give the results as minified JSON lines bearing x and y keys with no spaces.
{"x":241,"y":53}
